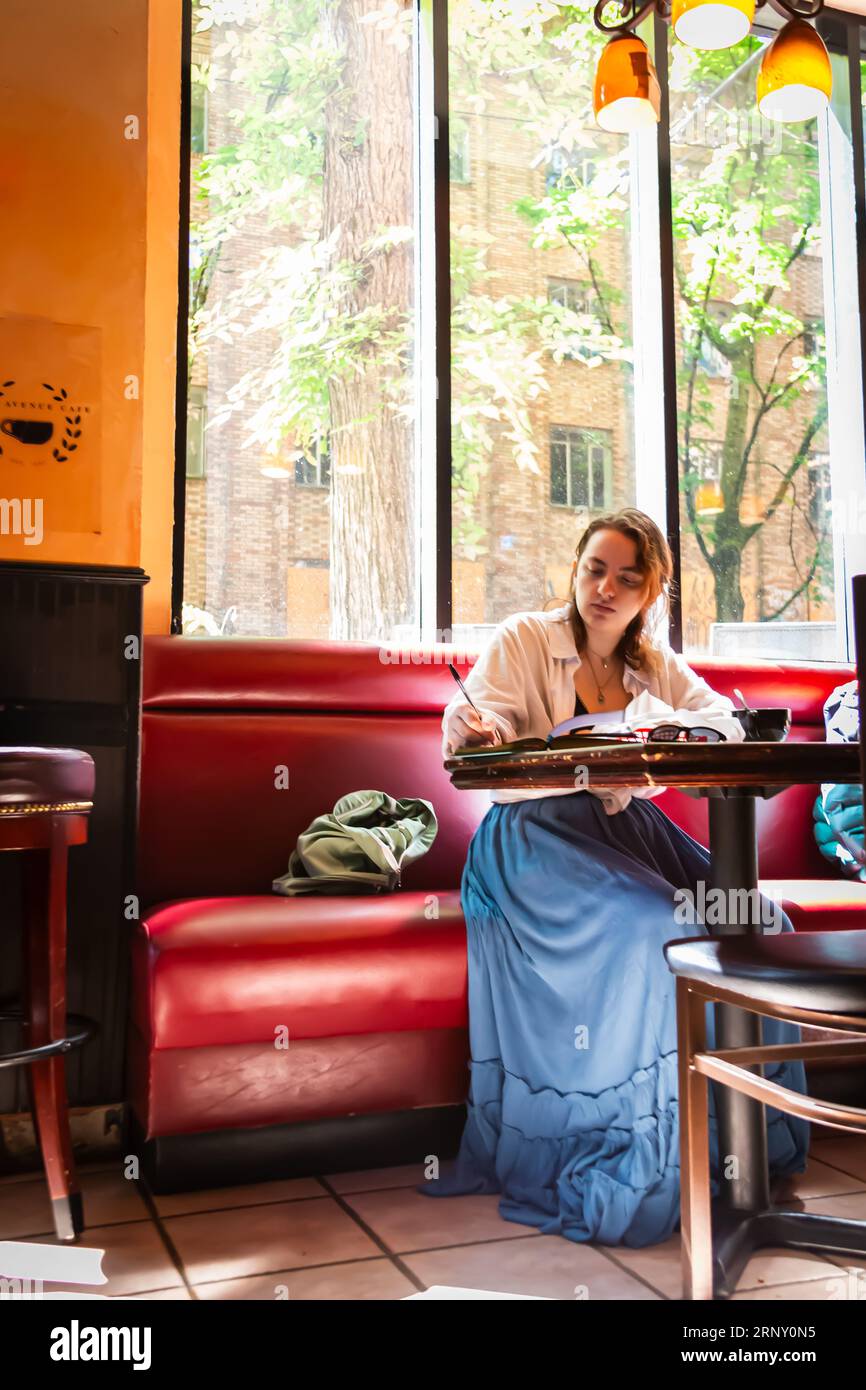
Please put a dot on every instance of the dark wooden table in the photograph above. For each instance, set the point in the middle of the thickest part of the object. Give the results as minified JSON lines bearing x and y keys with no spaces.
{"x":732,"y":776}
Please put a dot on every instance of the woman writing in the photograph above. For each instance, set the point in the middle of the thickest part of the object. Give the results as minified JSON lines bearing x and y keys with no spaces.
{"x":569,"y":897}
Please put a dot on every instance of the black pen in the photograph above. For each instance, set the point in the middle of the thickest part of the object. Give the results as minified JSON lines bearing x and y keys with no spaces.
{"x":453,"y":670}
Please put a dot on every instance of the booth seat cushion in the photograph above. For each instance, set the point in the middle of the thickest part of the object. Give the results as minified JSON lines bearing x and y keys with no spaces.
{"x":819,"y":905}
{"x":225,"y":971}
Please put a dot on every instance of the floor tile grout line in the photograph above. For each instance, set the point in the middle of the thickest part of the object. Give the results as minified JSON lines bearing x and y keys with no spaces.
{"x":359,"y":1220}
{"x":171,"y":1248}
{"x":641,"y":1279}
{"x":242,"y":1206}
{"x":291,"y":1269}
{"x":858,"y":1177}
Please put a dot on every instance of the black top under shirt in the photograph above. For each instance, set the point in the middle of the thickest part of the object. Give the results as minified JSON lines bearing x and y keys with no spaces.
{"x":579,"y":706}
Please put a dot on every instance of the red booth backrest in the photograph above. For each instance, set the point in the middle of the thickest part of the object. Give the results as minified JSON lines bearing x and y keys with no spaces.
{"x":227,"y":721}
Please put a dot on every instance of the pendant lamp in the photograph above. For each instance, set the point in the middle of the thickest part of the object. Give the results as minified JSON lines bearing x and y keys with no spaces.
{"x":795,"y":81}
{"x":710,"y":24}
{"x":626,"y":95}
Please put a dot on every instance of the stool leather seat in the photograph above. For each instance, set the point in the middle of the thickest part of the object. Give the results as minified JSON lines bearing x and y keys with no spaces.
{"x":823,"y":971}
{"x":45,"y":776}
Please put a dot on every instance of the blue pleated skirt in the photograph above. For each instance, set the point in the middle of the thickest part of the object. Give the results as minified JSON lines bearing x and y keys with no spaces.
{"x":572,"y":1111}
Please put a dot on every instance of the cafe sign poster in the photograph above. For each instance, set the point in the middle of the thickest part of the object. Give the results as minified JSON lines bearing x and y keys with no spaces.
{"x":50,"y":427}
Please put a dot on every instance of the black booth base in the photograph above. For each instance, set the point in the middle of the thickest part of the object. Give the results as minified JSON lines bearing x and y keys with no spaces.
{"x":230,"y":1157}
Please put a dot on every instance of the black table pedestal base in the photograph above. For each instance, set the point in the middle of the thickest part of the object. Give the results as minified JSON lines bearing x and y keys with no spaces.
{"x":737,"y":1235}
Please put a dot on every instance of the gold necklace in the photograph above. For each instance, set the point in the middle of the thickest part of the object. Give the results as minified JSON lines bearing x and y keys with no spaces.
{"x":599,"y":688}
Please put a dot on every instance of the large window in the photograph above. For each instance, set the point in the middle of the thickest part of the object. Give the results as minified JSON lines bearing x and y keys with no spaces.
{"x":541,"y":324}
{"x":588,"y":370}
{"x":749,"y":232}
{"x":302,"y":318}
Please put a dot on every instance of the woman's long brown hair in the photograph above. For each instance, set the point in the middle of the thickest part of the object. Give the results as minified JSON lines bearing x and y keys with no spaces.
{"x":654,"y":558}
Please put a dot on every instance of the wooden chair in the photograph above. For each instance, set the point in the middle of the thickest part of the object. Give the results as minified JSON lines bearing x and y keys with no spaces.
{"x":810,"y":978}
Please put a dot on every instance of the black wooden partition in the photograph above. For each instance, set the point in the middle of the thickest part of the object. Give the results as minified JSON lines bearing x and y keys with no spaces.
{"x":70,"y":676}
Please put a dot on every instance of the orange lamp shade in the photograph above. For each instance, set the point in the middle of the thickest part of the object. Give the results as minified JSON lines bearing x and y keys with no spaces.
{"x":712,"y":23}
{"x":795,"y":80}
{"x":626,"y":94}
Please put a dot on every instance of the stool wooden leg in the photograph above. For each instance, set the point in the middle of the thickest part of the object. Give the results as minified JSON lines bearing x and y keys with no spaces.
{"x":45,"y":1010}
{"x":695,"y":1209}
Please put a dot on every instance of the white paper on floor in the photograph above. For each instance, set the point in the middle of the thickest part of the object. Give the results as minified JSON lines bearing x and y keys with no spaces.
{"x":440,"y":1291}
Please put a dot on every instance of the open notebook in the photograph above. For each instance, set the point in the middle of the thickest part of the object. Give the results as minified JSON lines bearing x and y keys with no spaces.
{"x":602,"y":726}
{"x":607,"y":727}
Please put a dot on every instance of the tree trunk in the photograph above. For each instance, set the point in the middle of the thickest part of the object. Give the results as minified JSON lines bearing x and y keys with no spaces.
{"x":369,"y":185}
{"x":729,"y":536}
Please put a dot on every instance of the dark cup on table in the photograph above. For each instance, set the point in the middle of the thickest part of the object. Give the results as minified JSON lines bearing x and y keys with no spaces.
{"x":767,"y":725}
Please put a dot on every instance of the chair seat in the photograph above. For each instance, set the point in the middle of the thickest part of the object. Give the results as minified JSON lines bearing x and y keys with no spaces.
{"x":825,"y":972}
{"x":44,"y":776}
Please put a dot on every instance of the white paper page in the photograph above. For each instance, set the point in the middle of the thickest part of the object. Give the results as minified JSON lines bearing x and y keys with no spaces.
{"x":588,"y":721}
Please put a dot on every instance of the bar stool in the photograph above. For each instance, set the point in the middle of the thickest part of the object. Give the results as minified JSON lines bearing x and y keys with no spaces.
{"x":813,"y":978}
{"x":46,"y":795}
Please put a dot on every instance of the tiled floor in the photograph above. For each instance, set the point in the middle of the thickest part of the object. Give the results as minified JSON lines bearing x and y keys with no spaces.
{"x":369,"y":1235}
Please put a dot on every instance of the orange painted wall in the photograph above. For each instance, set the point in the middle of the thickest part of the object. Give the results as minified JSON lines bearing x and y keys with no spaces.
{"x":160,"y":308}
{"x":88,"y":236}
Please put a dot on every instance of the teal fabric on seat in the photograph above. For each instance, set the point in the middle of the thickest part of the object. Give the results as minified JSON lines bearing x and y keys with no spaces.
{"x":839,"y":807}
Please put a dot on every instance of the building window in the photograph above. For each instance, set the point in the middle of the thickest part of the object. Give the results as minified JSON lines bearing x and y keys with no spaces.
{"x":458,"y":151}
{"x":818,"y":470}
{"x":575,"y":167}
{"x":198,"y":118}
{"x":313,"y":468}
{"x":705,"y":459}
{"x":712,"y":361}
{"x":812,"y":330}
{"x":580,"y":467}
{"x":196,"y":421}
{"x":576,"y":295}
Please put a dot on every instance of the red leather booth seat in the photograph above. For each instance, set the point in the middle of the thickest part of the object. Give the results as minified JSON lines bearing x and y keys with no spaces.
{"x":252,"y":1010}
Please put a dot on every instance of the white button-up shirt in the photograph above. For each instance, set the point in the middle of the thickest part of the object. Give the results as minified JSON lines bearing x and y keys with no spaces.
{"x":524,"y":681}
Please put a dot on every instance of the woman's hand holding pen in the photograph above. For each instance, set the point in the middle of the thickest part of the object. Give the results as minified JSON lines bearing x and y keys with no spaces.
{"x":469,"y":729}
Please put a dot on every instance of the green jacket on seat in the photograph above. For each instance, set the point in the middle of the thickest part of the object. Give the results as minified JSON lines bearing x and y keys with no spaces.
{"x":362,"y":846}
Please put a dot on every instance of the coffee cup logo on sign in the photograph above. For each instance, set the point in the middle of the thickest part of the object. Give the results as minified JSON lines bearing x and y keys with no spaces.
{"x":35,"y":433}
{"x":28,"y":431}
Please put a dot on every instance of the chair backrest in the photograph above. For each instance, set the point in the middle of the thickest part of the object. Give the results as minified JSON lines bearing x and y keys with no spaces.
{"x":227,"y":722}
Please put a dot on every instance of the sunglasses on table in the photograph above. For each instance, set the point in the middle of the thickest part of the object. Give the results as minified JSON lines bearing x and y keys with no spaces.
{"x":679,"y":733}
